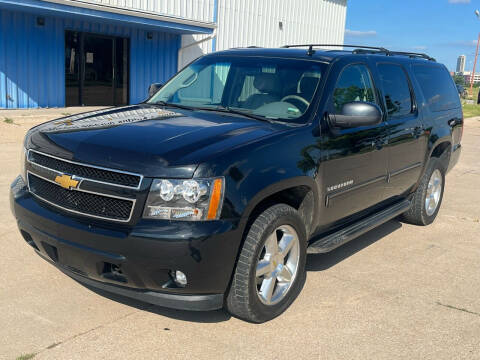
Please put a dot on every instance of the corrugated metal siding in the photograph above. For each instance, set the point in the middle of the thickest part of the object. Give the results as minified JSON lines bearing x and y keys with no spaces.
{"x":151,"y":61}
{"x":256,"y":22}
{"x":199,"y":10}
{"x":30,"y":59}
{"x":32,"y":69}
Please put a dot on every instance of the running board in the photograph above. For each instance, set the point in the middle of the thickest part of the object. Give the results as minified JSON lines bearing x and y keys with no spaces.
{"x":332,"y":241}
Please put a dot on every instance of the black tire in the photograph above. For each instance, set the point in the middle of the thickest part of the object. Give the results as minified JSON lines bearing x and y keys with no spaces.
{"x":417,"y":214}
{"x":242,"y":300}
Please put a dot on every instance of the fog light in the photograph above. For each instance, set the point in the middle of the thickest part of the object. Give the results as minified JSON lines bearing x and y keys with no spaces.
{"x":180,"y":278}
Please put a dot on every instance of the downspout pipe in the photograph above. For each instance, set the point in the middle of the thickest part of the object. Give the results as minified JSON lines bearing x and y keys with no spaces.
{"x":183,"y":48}
{"x":215,"y":20}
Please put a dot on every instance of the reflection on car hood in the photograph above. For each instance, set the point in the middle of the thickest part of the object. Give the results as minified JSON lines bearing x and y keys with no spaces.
{"x":146,"y":139}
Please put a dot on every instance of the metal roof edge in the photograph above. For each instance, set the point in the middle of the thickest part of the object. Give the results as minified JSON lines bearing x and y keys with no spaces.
{"x":134,"y":12}
{"x":93,"y":10}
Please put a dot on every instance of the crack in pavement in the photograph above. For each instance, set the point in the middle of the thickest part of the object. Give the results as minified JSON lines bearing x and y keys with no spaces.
{"x":457,"y":308}
{"x":51,"y":346}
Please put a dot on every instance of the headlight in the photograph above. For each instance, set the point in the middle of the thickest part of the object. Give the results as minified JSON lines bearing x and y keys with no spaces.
{"x":191,"y":200}
{"x":23,"y":160}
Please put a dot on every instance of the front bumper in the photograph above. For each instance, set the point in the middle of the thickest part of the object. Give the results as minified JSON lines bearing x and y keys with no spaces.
{"x":134,"y":261}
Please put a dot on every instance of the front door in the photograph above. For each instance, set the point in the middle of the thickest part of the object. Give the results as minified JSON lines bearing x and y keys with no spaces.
{"x":354,"y":160}
{"x":407,"y":140}
{"x":98,"y":76}
{"x":96,"y":69}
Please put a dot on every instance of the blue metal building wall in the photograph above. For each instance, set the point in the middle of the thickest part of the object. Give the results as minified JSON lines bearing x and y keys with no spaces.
{"x":32,"y":59}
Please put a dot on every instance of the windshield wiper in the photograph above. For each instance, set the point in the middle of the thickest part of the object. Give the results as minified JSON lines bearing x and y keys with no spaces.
{"x":167,"y":104}
{"x":219,"y":108}
{"x":226,"y":109}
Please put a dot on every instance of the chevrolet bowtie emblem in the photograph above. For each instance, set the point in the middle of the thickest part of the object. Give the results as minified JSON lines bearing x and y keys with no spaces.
{"x":66,"y":182}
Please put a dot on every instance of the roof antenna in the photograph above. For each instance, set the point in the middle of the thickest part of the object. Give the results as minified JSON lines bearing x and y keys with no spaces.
{"x":310,"y":50}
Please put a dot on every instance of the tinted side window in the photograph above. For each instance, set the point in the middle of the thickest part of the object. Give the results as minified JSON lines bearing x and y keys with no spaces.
{"x":437,"y":87}
{"x":396,"y":89}
{"x":353,"y":84}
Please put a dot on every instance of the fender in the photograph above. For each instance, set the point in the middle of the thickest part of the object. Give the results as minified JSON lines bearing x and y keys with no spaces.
{"x":434,"y":140}
{"x":437,"y":137}
{"x":276,"y":188}
{"x":258,"y":170}
{"x":280,"y":186}
{"x":441,"y":135}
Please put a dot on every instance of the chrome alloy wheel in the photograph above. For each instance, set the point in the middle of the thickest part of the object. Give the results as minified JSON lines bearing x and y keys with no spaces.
{"x":277,"y":265}
{"x":434,"y":192}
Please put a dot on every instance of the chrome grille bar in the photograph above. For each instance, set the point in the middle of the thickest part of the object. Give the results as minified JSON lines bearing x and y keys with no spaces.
{"x":88,"y":172}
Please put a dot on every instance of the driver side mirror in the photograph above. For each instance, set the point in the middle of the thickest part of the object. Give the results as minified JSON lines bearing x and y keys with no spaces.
{"x":153,"y":88}
{"x":355,"y":114}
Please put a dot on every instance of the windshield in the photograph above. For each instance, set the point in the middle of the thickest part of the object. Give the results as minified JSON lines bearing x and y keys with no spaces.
{"x":277,"y":89}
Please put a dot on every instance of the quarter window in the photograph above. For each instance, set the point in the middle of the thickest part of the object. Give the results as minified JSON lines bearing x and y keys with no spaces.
{"x":396,"y":90}
{"x":437,"y":87}
{"x":353,"y":84}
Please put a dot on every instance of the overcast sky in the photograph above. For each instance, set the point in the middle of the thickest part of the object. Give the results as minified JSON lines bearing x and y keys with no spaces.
{"x":443,"y":29}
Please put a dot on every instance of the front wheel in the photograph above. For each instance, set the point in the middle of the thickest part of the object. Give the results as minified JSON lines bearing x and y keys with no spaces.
{"x":428,"y":196}
{"x":270,"y":272}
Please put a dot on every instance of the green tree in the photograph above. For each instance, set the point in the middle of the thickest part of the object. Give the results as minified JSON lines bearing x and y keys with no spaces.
{"x":459,"y":80}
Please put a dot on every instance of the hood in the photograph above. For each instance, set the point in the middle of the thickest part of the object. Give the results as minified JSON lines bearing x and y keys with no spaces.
{"x":147,"y":139}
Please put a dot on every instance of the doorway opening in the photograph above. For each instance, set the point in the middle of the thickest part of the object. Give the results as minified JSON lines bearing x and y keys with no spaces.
{"x":96,"y":69}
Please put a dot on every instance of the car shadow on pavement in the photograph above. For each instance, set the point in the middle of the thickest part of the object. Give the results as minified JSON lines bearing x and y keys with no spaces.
{"x":319,"y":262}
{"x":315,"y":262}
{"x":184,"y":315}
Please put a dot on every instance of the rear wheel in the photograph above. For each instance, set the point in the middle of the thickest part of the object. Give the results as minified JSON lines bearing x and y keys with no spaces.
{"x":428,"y":196}
{"x":271,"y":268}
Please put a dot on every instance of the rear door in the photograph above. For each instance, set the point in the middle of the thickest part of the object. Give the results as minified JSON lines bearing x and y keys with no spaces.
{"x":442,"y":108}
{"x":406,"y":134}
{"x":354,"y":164}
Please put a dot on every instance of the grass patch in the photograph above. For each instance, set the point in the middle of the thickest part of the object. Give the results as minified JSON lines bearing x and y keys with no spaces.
{"x":471,"y":110}
{"x":26,"y":356}
{"x":8,"y":121}
{"x":475,"y":91}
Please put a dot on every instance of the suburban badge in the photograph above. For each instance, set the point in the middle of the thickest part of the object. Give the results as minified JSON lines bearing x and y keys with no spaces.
{"x":339,"y":186}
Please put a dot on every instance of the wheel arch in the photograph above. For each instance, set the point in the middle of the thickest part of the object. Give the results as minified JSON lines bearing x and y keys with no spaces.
{"x":442,"y":150}
{"x":296,"y":192}
{"x":301,"y":193}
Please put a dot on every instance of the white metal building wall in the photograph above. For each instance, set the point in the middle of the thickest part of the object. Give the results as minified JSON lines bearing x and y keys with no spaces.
{"x":257,"y":22}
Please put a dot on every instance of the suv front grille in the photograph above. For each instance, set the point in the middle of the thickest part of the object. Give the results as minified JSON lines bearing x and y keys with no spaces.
{"x":85,"y":171}
{"x":81,"y":202}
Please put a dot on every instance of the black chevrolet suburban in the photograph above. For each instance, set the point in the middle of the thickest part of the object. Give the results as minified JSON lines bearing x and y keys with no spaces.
{"x":212,"y":192}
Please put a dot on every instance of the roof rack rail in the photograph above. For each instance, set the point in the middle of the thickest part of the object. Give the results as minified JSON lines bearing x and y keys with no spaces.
{"x":412,"y":55}
{"x":310,"y":51}
{"x":360,"y":49}
{"x":246,"y":47}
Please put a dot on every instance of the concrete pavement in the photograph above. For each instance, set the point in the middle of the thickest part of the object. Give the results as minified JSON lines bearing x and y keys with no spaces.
{"x":398,"y":292}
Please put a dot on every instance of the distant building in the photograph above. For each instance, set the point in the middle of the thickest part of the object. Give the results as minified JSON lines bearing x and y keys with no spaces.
{"x":461,"y":64}
{"x":468,"y":77}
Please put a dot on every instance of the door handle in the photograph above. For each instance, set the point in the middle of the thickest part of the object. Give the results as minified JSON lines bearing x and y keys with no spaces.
{"x":452,"y":122}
